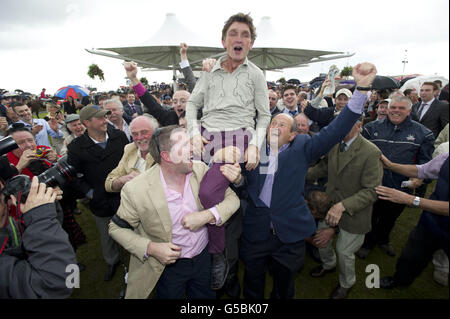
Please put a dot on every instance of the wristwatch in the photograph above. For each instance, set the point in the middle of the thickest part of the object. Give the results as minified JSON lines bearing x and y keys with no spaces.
{"x":416,"y":201}
{"x":364,"y":88}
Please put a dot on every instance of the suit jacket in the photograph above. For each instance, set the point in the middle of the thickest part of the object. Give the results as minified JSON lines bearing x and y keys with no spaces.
{"x":127,"y":165}
{"x":189,"y":78}
{"x":275,"y":111}
{"x":163,"y":116}
{"x":129,"y":112}
{"x":322,"y":116}
{"x":95,"y":163}
{"x":288,"y":212}
{"x":435,"y":118}
{"x":144,"y":207}
{"x":352,"y":178}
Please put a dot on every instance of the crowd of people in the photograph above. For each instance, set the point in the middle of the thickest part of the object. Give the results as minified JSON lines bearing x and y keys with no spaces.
{"x":224,"y":168}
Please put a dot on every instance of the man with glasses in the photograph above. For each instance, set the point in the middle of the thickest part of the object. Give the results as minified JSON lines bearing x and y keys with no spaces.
{"x":151,"y":106}
{"x":116,"y":112}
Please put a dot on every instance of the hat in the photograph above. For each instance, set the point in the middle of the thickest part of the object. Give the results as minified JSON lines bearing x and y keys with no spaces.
{"x":346,"y":92}
{"x":48,"y":104}
{"x":90,"y":111}
{"x":167,"y":97}
{"x":386,"y":100}
{"x":71,"y":118}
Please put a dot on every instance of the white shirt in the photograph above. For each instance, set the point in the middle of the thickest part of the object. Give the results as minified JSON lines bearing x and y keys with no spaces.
{"x":425,"y":109}
{"x":140,"y":164}
{"x":96,"y":142}
{"x":348,"y":143}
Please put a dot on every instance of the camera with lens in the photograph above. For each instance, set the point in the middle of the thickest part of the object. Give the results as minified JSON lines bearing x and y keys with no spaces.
{"x":57,"y":175}
{"x":7,"y":144}
{"x":7,"y":170}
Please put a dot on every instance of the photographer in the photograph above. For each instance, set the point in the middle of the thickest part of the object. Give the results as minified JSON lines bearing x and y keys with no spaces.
{"x":25,"y":157}
{"x":33,"y":265}
{"x":32,"y":160}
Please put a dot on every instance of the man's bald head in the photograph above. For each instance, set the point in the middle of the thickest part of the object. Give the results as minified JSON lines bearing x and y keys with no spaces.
{"x":179,"y":101}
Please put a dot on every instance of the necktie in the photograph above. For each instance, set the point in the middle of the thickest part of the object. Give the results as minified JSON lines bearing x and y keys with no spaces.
{"x":266,"y":192}
{"x":293,"y":112}
{"x":419,"y":113}
{"x":342,"y":147}
{"x":133,"y":108}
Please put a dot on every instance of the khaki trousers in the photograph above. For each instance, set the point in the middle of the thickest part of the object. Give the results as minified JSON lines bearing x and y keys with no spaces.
{"x":346,"y":246}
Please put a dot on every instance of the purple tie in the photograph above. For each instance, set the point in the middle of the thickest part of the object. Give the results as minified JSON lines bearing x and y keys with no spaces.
{"x":266,"y":193}
{"x":133,"y":108}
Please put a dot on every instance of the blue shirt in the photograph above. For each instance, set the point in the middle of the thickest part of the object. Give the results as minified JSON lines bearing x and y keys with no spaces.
{"x":41,"y":137}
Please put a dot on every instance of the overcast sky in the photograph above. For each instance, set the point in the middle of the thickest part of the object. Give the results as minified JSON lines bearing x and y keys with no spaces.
{"x":43,"y":42}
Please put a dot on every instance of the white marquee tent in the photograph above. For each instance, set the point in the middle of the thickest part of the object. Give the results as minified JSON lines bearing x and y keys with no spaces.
{"x":161,"y":52}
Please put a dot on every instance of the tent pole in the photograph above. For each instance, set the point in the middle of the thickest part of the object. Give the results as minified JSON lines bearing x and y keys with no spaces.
{"x":264,"y":62}
{"x":174,"y":78}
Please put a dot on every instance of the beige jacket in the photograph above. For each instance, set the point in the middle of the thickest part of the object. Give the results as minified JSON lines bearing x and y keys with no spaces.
{"x":126,"y":165}
{"x":144,"y":206}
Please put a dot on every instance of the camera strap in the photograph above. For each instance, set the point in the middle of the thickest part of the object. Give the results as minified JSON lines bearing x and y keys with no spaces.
{"x":121,"y":222}
{"x":9,"y":236}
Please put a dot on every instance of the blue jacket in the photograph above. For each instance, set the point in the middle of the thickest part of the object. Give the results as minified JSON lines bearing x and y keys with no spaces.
{"x":438,"y":224}
{"x":407,"y":143}
{"x":288,"y":212}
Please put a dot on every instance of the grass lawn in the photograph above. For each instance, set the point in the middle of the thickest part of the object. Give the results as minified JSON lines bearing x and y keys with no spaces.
{"x":424,"y":287}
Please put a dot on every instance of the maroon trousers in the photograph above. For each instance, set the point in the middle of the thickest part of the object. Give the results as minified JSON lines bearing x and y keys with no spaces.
{"x":214,"y":184}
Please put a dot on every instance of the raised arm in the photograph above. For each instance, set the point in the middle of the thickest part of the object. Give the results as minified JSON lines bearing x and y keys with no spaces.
{"x":163,"y":116}
{"x":322,"y":142}
{"x":186,"y":68}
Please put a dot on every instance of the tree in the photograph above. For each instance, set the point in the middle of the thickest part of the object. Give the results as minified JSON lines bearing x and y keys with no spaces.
{"x":144,"y":81}
{"x":347,"y":71}
{"x":282,"y":81}
{"x":94,"y":71}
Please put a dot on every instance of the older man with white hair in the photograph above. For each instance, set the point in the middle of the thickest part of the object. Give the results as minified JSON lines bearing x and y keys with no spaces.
{"x":401,"y":140}
{"x":136,"y":158}
{"x":116,"y":118}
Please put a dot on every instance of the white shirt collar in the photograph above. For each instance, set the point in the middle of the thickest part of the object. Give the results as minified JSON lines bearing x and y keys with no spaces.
{"x":96,"y":142}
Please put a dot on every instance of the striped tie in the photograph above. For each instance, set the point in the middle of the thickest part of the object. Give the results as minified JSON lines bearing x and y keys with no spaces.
{"x":419,"y":113}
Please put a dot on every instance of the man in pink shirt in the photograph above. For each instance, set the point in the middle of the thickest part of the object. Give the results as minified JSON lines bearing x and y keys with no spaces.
{"x":168,"y":239}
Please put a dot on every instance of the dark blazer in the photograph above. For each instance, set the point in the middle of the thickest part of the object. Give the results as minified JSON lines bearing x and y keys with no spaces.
{"x":189,"y":78}
{"x":129,"y":112}
{"x":289,"y":214}
{"x":435,"y":118}
{"x":275,"y":111}
{"x":69,"y":108}
{"x":95,"y":163}
{"x":443,"y":96}
{"x":163,"y":116}
{"x":322,"y":116}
